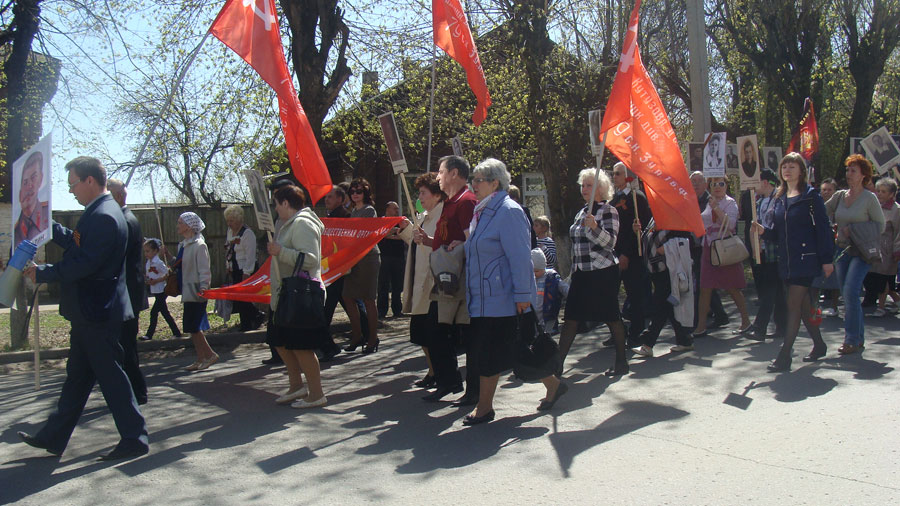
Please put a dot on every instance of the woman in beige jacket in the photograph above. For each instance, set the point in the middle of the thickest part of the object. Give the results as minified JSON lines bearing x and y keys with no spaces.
{"x":301,"y":234}
{"x":418,"y":280}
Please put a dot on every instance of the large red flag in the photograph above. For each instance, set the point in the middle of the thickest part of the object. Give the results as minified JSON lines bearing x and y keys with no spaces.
{"x":806,"y":139}
{"x":639,"y":134}
{"x":344,"y":242}
{"x":451,"y":33}
{"x":250,"y":29}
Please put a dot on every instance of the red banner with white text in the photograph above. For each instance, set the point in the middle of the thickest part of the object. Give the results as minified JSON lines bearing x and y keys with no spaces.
{"x":345,"y":242}
{"x":250,"y":29}
{"x":639,"y":134}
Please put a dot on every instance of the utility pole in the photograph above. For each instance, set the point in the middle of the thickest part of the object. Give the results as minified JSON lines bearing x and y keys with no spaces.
{"x":699,"y":69}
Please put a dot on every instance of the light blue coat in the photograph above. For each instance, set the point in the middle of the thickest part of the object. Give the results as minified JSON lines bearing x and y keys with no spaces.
{"x":499,"y":271}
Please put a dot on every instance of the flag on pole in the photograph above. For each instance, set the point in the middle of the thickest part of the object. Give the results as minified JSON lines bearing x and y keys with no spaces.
{"x":250,"y":29}
{"x":640,"y":135}
{"x":452,"y":34}
{"x":806,"y":139}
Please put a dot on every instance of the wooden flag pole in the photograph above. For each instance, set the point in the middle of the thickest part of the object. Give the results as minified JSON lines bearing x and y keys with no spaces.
{"x":597,"y":172}
{"x":37,"y":340}
{"x":409,"y":200}
{"x":754,"y":237}
{"x":637,"y":217}
{"x":273,"y":265}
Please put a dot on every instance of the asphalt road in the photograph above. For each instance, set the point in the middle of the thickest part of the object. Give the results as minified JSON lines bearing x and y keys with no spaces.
{"x":704,"y":427}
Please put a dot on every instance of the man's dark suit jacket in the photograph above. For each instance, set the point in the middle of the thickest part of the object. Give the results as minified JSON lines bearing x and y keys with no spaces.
{"x":91,"y":273}
{"x":339,"y":212}
{"x":134,"y":263}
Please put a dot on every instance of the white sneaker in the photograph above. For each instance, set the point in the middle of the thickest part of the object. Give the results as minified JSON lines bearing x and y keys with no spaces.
{"x":304,"y":404}
{"x":644,"y":351}
{"x":829,"y":311}
{"x":289,"y":396}
{"x":678,"y":348}
{"x":879,"y":312}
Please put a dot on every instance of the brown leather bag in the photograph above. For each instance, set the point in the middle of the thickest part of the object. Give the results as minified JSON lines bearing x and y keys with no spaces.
{"x":172,"y":289}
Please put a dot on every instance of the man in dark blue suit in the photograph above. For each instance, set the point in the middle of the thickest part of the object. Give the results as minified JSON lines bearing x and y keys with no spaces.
{"x":134,"y":282}
{"x":94,"y":298}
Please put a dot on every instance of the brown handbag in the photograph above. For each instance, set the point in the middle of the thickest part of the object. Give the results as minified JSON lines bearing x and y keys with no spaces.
{"x":172,"y":289}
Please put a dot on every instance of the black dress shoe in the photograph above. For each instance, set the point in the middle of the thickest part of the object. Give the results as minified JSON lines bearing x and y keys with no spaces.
{"x":273,"y":361}
{"x":780,"y":364}
{"x":560,"y":391}
{"x":141,"y":401}
{"x":617,"y":370}
{"x":815,"y":355}
{"x":719,"y":322}
{"x":130,"y":451}
{"x":329,"y":355}
{"x":609,"y":343}
{"x":470,"y":420}
{"x":466,"y":400}
{"x":426,"y":382}
{"x":33,"y":441}
{"x":441,"y":392}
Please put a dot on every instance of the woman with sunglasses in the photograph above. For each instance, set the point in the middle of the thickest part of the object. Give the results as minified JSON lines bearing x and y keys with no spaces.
{"x":721,"y":210}
{"x":802,"y":235}
{"x":361,"y":283}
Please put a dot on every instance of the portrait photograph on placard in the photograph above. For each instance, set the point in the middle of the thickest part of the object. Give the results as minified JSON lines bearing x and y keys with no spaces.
{"x":695,"y":156}
{"x":31,"y":195}
{"x":749,"y":162}
{"x":594,"y":119}
{"x":392,"y":140}
{"x":772,"y":157}
{"x":260,"y":200}
{"x":714,"y":155}
{"x":856,"y":146}
{"x":882,"y":150}
{"x":732,"y":163}
{"x":456,"y":144}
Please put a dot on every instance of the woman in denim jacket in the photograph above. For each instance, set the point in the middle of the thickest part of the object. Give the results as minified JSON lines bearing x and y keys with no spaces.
{"x":803,"y":237}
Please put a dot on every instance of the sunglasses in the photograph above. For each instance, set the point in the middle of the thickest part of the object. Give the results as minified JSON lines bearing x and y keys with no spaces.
{"x":719,"y":184}
{"x":356,"y":191}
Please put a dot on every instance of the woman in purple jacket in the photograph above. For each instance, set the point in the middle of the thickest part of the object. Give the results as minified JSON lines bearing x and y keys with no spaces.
{"x":499,"y":283}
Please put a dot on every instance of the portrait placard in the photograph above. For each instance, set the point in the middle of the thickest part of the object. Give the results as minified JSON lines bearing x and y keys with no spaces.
{"x":714,"y":155}
{"x":31,"y":178}
{"x":732,"y":162}
{"x":856,"y":146}
{"x":749,"y":172}
{"x":392,"y":139}
{"x":260,"y":200}
{"x":457,"y":145}
{"x":882,"y":150}
{"x":695,"y":157}
{"x":772,"y":157}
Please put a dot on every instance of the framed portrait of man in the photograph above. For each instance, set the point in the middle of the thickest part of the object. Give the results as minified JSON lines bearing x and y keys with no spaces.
{"x":260,"y":200}
{"x":31,"y":177}
{"x":732,"y":162}
{"x":749,"y":172}
{"x":714,"y":155}
{"x":882,"y":150}
{"x":856,"y":147}
{"x":695,"y":157}
{"x":392,"y":140}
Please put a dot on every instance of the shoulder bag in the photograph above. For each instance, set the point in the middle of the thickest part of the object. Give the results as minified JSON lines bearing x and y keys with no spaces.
{"x":536,"y":354}
{"x":301,"y":300}
{"x":172,"y":289}
{"x":727,"y":251}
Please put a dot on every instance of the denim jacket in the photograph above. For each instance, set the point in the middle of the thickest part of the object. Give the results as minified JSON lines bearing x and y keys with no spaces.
{"x":803,"y":235}
{"x":499,"y":271}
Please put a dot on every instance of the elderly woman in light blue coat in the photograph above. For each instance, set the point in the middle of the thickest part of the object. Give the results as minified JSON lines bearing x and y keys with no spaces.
{"x":499,"y":283}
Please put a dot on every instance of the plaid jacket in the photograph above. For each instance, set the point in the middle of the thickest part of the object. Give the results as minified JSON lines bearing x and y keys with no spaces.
{"x":592,"y":250}
{"x":652,"y":240}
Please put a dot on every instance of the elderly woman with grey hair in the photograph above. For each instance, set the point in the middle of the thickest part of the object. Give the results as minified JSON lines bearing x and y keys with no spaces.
{"x":240,"y":262}
{"x":594,"y":286}
{"x":499,"y":284}
{"x":194,"y":275}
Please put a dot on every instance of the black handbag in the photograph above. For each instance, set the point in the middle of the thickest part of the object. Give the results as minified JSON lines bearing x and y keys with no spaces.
{"x":536,"y":353}
{"x":301,"y":301}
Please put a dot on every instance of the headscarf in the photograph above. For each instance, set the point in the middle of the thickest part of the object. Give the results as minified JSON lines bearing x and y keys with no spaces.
{"x":193,"y":221}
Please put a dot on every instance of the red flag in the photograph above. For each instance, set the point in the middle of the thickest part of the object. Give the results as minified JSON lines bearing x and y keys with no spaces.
{"x":451,"y":33}
{"x":806,"y":139}
{"x":250,"y":29}
{"x":344,"y":242}
{"x":639,"y":134}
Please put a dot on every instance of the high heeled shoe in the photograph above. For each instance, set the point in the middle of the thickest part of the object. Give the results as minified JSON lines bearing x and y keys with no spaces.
{"x":617,"y":370}
{"x":780,"y":364}
{"x":815,"y":355}
{"x":427,"y":382}
{"x":371,"y":349}
{"x":353,"y":345}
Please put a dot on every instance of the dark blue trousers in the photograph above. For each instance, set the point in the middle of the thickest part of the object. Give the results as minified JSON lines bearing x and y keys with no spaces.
{"x":95,"y":356}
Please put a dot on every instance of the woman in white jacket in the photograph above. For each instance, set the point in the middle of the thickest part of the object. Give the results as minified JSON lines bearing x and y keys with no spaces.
{"x":194,"y":276}
{"x":418,"y":280}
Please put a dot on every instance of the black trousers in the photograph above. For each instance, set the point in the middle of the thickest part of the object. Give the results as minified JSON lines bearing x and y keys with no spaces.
{"x":664,"y":312}
{"x":250,"y":316}
{"x":442,"y":350}
{"x":770,"y":292}
{"x":161,"y":308}
{"x":333,"y":297}
{"x":634,"y":278}
{"x":95,"y":356}
{"x":131,"y":363}
{"x":390,"y":283}
{"x":715,"y":302}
